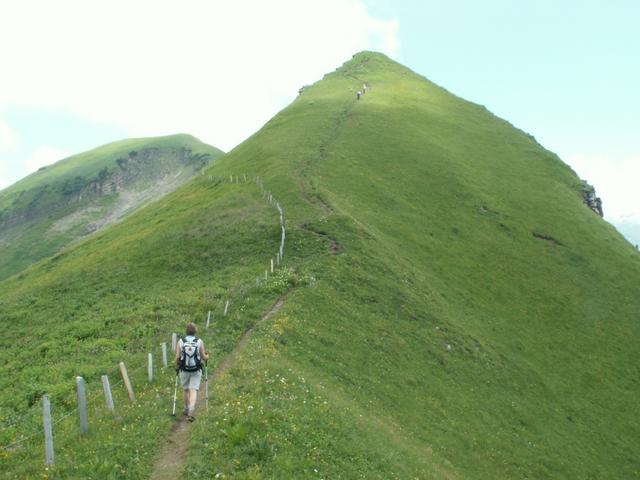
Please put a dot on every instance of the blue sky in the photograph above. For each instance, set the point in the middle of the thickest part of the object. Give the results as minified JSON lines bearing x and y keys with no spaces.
{"x":565,"y":71}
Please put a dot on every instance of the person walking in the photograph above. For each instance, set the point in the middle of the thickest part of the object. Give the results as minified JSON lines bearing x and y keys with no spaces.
{"x":190,"y":356}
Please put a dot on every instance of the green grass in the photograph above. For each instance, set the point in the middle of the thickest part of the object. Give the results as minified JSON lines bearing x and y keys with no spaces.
{"x":31,"y":208}
{"x":435,"y":202}
{"x":116,"y":297}
{"x":429,"y":330}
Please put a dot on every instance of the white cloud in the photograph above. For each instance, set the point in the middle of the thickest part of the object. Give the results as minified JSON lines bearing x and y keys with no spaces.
{"x":10,"y":140}
{"x":630,"y":228}
{"x":215,"y":69}
{"x":5,"y":180}
{"x":383,"y":35}
{"x":42,"y":156}
{"x":10,"y":143}
{"x":616,"y":180}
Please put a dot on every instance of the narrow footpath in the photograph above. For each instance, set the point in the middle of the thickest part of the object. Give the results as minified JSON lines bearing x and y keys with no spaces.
{"x":170,"y":463}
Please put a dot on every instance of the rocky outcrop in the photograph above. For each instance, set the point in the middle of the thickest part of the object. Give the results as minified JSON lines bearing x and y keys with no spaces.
{"x":591,"y":200}
{"x":137,"y":165}
{"x":133,"y":168}
{"x":82,"y":194}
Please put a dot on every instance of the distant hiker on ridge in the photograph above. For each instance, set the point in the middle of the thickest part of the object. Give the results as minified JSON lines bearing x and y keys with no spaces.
{"x":190,"y":354}
{"x":358,"y":94}
{"x":364,"y":88}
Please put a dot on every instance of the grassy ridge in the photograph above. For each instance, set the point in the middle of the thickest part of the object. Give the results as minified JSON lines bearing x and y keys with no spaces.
{"x":63,"y":202}
{"x":116,"y":297}
{"x":478,"y":316}
{"x":454,"y":310}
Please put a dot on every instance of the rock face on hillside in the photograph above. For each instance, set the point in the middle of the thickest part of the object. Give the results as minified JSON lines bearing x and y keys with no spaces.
{"x":139,"y":171}
{"x":591,"y":200}
{"x":82,"y":194}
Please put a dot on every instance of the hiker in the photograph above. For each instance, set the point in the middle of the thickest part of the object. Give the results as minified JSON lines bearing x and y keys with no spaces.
{"x":190,"y":355}
{"x":364,"y":88}
{"x":358,"y":94}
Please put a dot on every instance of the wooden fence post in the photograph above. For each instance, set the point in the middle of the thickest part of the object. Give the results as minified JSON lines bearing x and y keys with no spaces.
{"x":266,"y":275}
{"x":164,"y":354}
{"x":257,"y":281}
{"x":174,"y":341}
{"x":226,"y":307}
{"x":127,"y":383}
{"x":272,"y":265}
{"x":150,"y":367}
{"x":48,"y":433}
{"x":108,"y":398}
{"x":82,"y":405}
{"x":208,"y":318}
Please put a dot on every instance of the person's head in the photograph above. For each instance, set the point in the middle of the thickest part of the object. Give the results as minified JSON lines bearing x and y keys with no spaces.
{"x":191,"y":329}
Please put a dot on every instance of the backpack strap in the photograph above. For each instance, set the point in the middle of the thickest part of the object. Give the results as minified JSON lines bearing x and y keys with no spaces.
{"x":197,"y":341}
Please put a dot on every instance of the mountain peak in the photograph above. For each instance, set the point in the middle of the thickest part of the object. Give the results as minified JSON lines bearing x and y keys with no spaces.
{"x":451,"y":308}
{"x":373,"y":61}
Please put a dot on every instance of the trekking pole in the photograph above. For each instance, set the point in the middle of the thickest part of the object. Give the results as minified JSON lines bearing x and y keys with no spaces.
{"x":206,"y":385}
{"x":175,"y":395}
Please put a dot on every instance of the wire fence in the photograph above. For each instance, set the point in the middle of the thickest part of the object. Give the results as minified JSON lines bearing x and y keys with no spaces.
{"x":33,"y":416}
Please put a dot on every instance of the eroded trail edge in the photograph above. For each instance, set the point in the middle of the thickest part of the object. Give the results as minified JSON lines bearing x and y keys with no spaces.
{"x":171,"y":460}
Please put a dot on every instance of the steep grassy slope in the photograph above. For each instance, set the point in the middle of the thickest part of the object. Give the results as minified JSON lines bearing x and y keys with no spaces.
{"x":454,"y":310}
{"x":115,"y":297}
{"x":478,"y":320}
{"x":83,"y":193}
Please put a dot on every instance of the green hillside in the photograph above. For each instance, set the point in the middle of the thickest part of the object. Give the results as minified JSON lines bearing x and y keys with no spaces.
{"x":76,"y":196}
{"x":452,"y":308}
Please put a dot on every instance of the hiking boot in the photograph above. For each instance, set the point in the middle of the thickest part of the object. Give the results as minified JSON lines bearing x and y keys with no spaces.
{"x":191,"y":418}
{"x":185,"y":412}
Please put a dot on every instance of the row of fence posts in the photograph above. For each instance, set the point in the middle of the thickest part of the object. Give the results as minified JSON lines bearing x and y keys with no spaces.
{"x":81,"y":390}
{"x":81,"y":394}
{"x":268,"y":196}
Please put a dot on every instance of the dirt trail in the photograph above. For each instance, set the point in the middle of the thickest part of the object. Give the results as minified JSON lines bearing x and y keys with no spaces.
{"x":171,"y":460}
